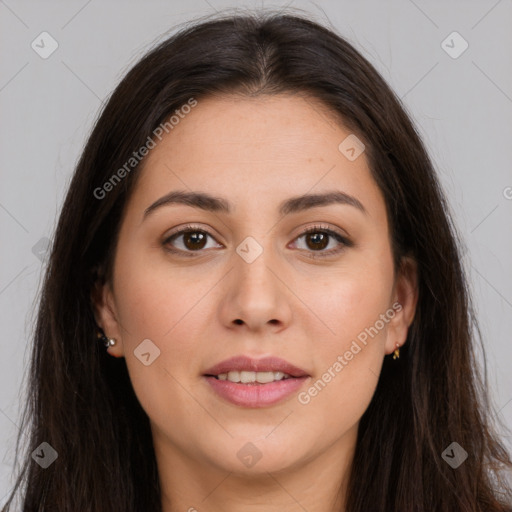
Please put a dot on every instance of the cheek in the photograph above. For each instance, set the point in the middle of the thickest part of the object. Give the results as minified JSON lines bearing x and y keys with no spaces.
{"x":355,"y":309}
{"x":336,"y":400}
{"x":154,"y":299}
{"x":349,"y":303}
{"x":154,"y":305}
{"x":166,"y":311}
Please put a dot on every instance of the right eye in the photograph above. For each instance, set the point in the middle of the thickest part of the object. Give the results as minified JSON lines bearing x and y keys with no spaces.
{"x":194,"y":240}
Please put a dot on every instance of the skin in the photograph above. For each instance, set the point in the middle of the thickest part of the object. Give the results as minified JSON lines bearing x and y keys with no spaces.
{"x":254,"y":152}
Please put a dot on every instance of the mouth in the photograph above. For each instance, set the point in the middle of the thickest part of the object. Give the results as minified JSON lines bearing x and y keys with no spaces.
{"x":255,"y":383}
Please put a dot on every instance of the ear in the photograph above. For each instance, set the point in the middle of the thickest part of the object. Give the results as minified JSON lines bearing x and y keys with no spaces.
{"x":405,"y":297}
{"x":103,"y":303}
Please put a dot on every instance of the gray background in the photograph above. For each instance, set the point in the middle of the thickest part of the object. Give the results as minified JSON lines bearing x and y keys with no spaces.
{"x":462,"y":106}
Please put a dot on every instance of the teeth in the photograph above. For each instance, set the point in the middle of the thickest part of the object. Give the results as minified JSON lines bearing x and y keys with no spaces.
{"x":249,"y":377}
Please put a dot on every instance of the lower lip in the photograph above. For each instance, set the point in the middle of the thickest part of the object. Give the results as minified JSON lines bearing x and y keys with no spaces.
{"x":256,"y":395}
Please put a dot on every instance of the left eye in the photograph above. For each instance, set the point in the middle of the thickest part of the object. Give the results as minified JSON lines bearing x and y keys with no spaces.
{"x":317,"y":239}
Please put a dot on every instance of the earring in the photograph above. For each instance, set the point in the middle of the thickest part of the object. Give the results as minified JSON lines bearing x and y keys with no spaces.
{"x":396,"y":354}
{"x":108,"y":342}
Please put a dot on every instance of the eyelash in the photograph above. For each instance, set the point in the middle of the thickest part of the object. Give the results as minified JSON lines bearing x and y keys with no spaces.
{"x":314,"y":229}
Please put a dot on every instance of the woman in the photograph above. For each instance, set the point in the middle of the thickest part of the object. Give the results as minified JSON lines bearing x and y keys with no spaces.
{"x":255,"y":299}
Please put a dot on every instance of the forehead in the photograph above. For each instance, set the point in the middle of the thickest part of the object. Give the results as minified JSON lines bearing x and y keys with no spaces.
{"x":267,"y":147}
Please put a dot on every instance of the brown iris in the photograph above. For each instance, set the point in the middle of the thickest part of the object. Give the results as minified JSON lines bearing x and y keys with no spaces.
{"x":319,"y":240}
{"x":197,"y":240}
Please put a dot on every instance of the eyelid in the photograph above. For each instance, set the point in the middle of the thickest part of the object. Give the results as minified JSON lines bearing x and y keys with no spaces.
{"x":188,"y":227}
{"x":324,"y":228}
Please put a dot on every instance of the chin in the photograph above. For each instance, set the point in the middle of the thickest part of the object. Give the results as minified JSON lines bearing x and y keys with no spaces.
{"x":251,"y":456}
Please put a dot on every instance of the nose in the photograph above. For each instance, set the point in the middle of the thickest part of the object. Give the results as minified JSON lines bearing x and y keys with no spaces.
{"x":256,"y":295}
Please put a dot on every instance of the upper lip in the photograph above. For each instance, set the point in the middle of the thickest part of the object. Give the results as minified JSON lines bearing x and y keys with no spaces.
{"x":248,"y":364}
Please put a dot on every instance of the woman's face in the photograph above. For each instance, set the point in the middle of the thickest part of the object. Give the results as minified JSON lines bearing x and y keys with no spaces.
{"x":246,"y":282}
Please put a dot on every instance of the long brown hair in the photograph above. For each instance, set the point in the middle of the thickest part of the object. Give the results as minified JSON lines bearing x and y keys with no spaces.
{"x":81,"y":400}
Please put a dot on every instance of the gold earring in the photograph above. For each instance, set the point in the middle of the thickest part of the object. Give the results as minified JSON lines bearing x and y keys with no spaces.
{"x":396,"y":354}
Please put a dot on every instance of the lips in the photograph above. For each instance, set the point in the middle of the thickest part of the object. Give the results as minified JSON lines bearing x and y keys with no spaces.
{"x":280,"y":380}
{"x":247,"y":364}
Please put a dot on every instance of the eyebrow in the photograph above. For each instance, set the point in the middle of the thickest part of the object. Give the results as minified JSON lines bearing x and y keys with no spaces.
{"x":296,"y":204}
